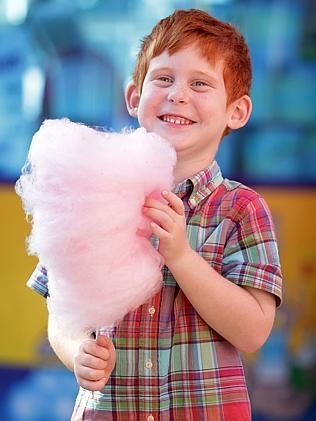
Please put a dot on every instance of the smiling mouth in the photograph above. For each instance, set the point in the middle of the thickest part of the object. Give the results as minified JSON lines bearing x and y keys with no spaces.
{"x":177,"y":120}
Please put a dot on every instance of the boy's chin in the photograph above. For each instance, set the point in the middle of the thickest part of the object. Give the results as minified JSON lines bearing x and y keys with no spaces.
{"x":174,"y":137}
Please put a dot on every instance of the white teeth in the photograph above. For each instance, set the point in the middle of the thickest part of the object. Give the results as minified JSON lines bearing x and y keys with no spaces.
{"x":176,"y":120}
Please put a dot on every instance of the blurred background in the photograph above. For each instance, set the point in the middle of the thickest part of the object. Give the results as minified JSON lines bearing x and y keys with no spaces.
{"x":73,"y":58}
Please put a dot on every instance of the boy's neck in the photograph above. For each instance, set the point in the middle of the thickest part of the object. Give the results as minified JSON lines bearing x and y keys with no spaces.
{"x":185,"y":169}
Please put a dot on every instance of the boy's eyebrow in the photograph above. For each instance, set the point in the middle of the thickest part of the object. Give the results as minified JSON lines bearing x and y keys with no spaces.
{"x":196,"y":73}
{"x":159,"y":70}
{"x":209,"y":76}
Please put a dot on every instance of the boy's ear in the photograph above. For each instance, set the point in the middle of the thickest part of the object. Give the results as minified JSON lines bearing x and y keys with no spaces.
{"x":240,"y":111}
{"x":132,"y":99}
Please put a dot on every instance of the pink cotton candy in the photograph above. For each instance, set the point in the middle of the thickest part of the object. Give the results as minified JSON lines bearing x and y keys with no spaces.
{"x":85,"y":194}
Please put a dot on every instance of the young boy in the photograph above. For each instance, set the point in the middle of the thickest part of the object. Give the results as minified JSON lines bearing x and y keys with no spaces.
{"x":177,"y":356}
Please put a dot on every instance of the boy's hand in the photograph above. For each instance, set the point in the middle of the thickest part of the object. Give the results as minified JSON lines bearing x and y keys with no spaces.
{"x":169,"y":225}
{"x":94,"y":363}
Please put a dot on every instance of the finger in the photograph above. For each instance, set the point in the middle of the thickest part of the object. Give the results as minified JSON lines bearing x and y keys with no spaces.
{"x":103,"y":341}
{"x":156,"y":204}
{"x":90,"y":374}
{"x":174,"y":202}
{"x":92,"y":348}
{"x":108,"y":345}
{"x":90,"y":361}
{"x":112,"y":359}
{"x":159,"y":232}
{"x":160,"y":217}
{"x":92,"y":386}
{"x":143,"y":232}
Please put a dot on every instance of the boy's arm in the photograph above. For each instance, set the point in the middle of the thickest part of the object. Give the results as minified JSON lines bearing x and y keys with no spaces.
{"x":92,"y":361}
{"x":64,"y":346}
{"x":242,"y":315}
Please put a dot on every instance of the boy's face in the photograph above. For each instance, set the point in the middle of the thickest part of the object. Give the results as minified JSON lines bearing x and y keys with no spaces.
{"x":184,"y":100}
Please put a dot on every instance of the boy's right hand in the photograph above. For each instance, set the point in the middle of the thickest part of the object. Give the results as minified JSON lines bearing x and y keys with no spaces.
{"x":94,"y":363}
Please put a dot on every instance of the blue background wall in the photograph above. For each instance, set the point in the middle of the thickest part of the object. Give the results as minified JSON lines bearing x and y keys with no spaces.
{"x":73,"y":58}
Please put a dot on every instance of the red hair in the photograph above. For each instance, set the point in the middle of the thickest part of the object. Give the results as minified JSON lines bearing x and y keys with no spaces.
{"x":217,"y":40}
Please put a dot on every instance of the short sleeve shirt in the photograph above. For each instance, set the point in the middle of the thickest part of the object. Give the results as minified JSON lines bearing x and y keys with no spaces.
{"x":170,"y":365}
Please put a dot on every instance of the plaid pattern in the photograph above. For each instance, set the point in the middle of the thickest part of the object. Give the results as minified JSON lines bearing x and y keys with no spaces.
{"x":170,"y":364}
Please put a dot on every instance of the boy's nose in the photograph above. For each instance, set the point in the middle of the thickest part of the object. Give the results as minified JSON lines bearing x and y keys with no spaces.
{"x":178,"y":95}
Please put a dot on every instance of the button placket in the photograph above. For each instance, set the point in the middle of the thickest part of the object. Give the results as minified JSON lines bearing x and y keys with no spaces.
{"x":148,"y":358}
{"x":148,"y":365}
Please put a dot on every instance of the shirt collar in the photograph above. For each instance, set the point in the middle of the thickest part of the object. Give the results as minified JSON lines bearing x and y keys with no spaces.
{"x":200,"y":185}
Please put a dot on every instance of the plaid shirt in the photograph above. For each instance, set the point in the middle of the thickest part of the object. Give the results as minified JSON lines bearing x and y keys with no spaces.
{"x":170,"y":364}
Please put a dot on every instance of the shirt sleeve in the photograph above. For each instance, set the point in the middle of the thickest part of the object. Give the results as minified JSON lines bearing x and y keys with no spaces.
{"x":251,"y":255}
{"x":38,"y":281}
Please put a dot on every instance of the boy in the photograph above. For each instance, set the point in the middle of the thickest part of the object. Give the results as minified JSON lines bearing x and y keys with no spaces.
{"x":177,"y":357}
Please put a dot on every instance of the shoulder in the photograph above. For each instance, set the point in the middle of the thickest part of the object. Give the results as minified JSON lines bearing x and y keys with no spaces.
{"x":236,"y":201}
{"x":237,"y":194}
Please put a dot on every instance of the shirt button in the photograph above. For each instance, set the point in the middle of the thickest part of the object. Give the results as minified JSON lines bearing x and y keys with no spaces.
{"x":151,"y":311}
{"x":150,"y":418}
{"x":148,"y":364}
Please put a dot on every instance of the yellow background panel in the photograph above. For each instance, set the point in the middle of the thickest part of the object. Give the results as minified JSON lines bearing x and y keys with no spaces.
{"x":294,"y":212}
{"x":23,"y":315}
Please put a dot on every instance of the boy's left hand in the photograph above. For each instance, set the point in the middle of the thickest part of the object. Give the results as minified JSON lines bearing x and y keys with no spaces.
{"x":169,"y":225}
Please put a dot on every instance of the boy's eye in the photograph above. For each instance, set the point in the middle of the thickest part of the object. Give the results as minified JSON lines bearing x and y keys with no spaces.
{"x":162,"y":81}
{"x":201,"y":86}
{"x":199,"y":83}
{"x":165,"y":79}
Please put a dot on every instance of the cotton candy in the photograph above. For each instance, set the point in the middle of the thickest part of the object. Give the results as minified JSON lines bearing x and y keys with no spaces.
{"x":85,"y":190}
